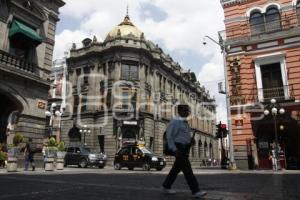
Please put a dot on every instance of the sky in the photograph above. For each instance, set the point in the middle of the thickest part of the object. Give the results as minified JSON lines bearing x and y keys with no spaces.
{"x":177,"y":26}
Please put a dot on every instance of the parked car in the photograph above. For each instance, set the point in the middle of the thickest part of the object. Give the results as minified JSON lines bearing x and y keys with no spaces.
{"x":84,"y":157}
{"x":132,"y":156}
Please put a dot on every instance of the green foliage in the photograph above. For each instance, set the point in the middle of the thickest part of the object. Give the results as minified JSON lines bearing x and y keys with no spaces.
{"x":52,"y":142}
{"x":3,"y":156}
{"x":18,"y":138}
{"x":61,"y":146}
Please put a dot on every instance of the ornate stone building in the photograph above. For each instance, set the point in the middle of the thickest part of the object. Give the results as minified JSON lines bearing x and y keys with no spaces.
{"x":27,"y":31}
{"x":124,"y":89}
{"x":263,"y":64}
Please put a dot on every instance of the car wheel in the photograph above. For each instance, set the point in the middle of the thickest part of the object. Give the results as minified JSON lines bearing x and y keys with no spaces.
{"x":130,"y":168}
{"x":117,"y":166}
{"x":83,"y":163}
{"x":101,"y":167}
{"x":146,"y":167}
{"x":159,"y":169}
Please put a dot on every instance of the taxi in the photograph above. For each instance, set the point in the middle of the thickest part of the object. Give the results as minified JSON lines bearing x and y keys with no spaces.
{"x":138,"y":156}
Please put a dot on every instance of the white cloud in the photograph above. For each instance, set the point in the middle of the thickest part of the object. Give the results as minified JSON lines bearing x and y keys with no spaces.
{"x":63,"y":41}
{"x":186,"y":25}
{"x":187,"y":22}
{"x":212,"y":73}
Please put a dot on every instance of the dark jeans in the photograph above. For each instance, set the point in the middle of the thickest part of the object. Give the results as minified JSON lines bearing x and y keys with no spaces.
{"x":183,"y":164}
{"x":29,"y":159}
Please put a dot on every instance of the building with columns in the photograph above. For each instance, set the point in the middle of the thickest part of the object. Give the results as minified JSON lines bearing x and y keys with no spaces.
{"x":124,"y":89}
{"x":262,"y":40}
{"x":27,"y":35}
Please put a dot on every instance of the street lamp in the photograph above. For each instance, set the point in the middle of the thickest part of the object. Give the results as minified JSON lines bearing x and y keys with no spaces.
{"x":274,"y":111}
{"x":224,"y":50}
{"x":84,"y":130}
{"x":54,"y":112}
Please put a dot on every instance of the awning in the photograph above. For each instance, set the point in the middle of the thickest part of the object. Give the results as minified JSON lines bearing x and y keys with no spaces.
{"x":20,"y":28}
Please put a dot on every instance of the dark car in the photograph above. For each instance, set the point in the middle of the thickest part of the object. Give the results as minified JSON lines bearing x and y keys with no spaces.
{"x":83,"y":157}
{"x":132,"y":156}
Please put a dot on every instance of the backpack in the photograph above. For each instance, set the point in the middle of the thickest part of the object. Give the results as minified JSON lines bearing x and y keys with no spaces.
{"x":32,"y":149}
{"x":166,"y":149}
{"x":169,"y":152}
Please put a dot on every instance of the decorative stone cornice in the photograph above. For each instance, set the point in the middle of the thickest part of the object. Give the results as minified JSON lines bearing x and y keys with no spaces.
{"x":226,"y":3}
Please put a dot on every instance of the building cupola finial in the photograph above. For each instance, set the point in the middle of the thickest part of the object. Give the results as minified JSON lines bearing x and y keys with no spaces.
{"x":126,"y":20}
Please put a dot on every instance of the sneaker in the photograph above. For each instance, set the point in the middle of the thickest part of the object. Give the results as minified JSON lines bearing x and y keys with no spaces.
{"x":167,"y":191}
{"x":199,"y":194}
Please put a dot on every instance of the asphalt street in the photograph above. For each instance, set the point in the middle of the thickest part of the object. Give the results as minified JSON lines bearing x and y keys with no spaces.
{"x":109,"y":184}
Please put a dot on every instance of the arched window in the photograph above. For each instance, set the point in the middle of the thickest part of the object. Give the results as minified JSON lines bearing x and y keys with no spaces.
{"x":257,"y":23}
{"x":211,"y":150}
{"x":200,"y":148}
{"x":272,"y":19}
{"x":74,"y":134}
{"x":206,"y":152}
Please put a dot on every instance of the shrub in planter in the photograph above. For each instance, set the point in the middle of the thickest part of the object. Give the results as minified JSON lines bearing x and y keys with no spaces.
{"x":50,"y":153}
{"x":60,"y":156}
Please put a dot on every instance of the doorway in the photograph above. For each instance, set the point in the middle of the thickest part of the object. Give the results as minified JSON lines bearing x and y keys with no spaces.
{"x":8,"y":116}
{"x":288,"y":140}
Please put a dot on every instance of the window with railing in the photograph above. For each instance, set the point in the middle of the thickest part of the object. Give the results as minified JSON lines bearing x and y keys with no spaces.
{"x":86,"y":72}
{"x":125,"y":99}
{"x":75,"y":103}
{"x":272,"y":20}
{"x":257,"y":23}
{"x":129,"y":72}
{"x":265,"y":22}
{"x":109,"y":99}
{"x":83,"y":103}
{"x":272,"y":81}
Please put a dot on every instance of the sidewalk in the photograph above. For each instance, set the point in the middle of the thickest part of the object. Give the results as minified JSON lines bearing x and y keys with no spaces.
{"x":111,"y":170}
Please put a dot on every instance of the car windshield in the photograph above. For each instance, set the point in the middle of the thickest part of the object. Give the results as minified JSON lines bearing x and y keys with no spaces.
{"x":86,"y":150}
{"x":144,"y":150}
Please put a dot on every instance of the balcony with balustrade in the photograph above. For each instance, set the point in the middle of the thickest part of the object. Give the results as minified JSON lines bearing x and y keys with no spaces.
{"x":245,"y":32}
{"x":20,"y":66}
{"x":281,"y":94}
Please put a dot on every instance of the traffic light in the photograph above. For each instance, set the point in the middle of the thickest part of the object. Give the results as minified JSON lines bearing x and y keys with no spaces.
{"x":218,"y":131}
{"x":224,"y":130}
{"x":221,"y":130}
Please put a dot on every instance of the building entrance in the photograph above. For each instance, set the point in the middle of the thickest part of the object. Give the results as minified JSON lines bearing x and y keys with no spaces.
{"x":288,"y":138}
{"x":8,"y":116}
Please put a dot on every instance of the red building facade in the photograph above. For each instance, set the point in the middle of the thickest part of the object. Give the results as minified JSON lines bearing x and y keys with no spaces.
{"x":262,"y":40}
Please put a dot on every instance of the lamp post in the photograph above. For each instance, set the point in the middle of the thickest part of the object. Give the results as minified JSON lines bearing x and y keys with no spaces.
{"x":54,"y":112}
{"x":275,"y":110}
{"x":224,"y":50}
{"x":84,"y":130}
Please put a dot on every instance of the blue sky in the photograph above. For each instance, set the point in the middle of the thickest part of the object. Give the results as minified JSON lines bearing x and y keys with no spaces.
{"x":177,"y":26}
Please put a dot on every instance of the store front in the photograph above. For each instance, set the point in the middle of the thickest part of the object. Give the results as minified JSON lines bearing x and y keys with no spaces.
{"x":288,"y":132}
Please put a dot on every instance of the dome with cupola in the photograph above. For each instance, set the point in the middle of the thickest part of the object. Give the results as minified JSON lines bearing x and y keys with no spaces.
{"x":125,"y":29}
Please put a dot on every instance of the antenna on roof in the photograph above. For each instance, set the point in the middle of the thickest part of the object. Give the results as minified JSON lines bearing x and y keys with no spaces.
{"x":127,"y":10}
